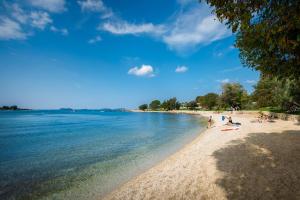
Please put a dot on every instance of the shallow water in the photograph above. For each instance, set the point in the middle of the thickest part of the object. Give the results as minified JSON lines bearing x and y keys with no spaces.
{"x":83,"y":154}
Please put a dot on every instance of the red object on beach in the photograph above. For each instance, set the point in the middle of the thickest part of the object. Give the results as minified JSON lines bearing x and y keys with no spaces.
{"x":229,"y":129}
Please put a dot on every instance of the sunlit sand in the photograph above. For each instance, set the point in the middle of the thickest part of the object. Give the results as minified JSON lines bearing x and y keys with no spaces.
{"x":257,"y":161}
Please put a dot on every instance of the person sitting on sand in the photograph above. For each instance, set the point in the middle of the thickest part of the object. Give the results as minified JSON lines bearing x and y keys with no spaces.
{"x":230,"y":123}
{"x":230,"y":120}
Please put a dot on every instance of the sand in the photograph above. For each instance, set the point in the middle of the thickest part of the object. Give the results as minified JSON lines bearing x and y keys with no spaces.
{"x":258,"y":161}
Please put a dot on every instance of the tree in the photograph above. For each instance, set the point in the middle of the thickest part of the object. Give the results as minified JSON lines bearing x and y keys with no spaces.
{"x":200,"y":99}
{"x":210,"y":100}
{"x":14,"y":107}
{"x":192,"y":105}
{"x":171,"y":104}
{"x":232,"y":94}
{"x":273,"y":92}
{"x":154,"y":105}
{"x":164,"y":105}
{"x":267,"y":92}
{"x":143,"y":107}
{"x":293,"y":104}
{"x":268,"y":33}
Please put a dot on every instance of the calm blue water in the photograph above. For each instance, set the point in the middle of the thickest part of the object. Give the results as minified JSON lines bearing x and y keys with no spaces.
{"x":83,"y":154}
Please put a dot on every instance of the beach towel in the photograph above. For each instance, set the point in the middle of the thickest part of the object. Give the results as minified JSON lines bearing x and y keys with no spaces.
{"x":230,"y":129}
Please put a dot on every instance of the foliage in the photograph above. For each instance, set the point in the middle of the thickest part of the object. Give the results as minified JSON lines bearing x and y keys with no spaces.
{"x":9,"y":108}
{"x":154,"y":105}
{"x":143,"y":107}
{"x":276,"y":93}
{"x":268,"y":92}
{"x":192,"y":105}
{"x":272,"y":94}
{"x":292,"y":103}
{"x":171,"y":104}
{"x":232,"y":95}
{"x":200,"y":99}
{"x":268,"y":33}
{"x":209,"y":101}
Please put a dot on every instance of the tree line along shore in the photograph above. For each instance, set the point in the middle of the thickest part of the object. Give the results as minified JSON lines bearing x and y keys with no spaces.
{"x":270,"y":94}
{"x":14,"y":107}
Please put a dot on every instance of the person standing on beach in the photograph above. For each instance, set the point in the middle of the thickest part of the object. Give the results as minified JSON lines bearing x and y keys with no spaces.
{"x":209,"y":122}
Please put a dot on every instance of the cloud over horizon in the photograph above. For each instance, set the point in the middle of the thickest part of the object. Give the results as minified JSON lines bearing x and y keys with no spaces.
{"x":95,"y":40}
{"x":144,"y":70}
{"x":226,"y":80}
{"x":181,"y":69}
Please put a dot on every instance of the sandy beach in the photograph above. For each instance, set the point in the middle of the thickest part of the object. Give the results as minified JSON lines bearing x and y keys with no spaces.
{"x":257,"y":161}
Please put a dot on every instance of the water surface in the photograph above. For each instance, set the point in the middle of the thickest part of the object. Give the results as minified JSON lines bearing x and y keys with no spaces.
{"x":83,"y":154}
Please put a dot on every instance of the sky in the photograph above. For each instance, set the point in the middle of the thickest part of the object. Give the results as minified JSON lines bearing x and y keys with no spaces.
{"x":113,"y":53}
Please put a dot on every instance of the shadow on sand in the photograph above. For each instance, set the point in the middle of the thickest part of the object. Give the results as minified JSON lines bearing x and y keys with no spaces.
{"x":262,"y":166}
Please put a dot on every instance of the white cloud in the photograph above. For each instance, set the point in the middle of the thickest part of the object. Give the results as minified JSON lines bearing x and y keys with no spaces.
{"x":107,"y":14}
{"x":181,"y":69}
{"x":10,"y":29}
{"x":18,"y":13}
{"x":40,"y":19}
{"x":91,"y":5}
{"x":62,"y":31}
{"x":96,"y":6}
{"x":144,"y":70}
{"x":251,"y":81}
{"x":231,"y":69}
{"x":186,"y":2}
{"x":95,"y":40}
{"x":23,"y":22}
{"x":122,"y":28}
{"x":191,"y":27}
{"x":219,"y":54}
{"x":231,"y":47}
{"x":224,"y":51}
{"x":37,"y":19}
{"x":226,"y":80}
{"x":50,"y":5}
{"x":195,"y":27}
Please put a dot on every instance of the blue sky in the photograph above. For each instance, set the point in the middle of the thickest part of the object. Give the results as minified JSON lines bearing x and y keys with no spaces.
{"x":113,"y":53}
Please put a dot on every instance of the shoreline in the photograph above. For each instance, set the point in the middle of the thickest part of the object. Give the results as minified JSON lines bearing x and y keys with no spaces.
{"x":196,"y":170}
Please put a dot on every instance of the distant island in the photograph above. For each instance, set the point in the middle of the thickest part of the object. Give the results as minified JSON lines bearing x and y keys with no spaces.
{"x":100,"y":110}
{"x":14,"y":107}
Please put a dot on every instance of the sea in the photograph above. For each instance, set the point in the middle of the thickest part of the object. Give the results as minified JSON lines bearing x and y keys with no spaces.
{"x":84,"y":154}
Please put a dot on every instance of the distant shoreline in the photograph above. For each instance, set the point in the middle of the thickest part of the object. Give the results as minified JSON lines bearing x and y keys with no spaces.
{"x":249,"y":113}
{"x":20,"y":109}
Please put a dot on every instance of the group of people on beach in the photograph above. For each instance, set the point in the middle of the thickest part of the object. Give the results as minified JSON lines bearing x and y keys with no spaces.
{"x":260,"y":119}
{"x":229,"y":122}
